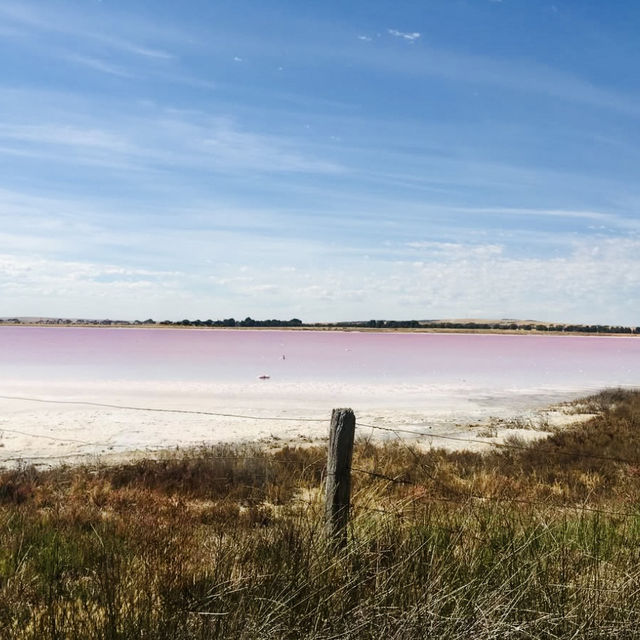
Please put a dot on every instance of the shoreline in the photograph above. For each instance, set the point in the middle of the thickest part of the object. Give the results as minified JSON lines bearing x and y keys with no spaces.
{"x":330,"y":329}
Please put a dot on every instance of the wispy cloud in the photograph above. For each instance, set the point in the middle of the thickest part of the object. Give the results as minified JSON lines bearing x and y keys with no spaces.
{"x":65,"y":135}
{"x":71,"y":281}
{"x":610,"y":219}
{"x":76,"y":23}
{"x":411,"y":37}
{"x":24,"y":18}
{"x":224,"y":140}
{"x":451,"y":251}
{"x":100,"y":65}
{"x":152,"y":138}
{"x":124,"y":45}
{"x":513,"y":73}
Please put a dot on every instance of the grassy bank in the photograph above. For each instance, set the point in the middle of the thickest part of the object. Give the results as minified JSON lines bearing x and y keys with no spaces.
{"x":528,"y":541}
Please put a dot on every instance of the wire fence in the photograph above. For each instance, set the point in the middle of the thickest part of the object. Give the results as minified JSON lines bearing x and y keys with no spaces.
{"x":105,"y":405}
{"x":502,"y":445}
{"x":467,"y":497}
{"x":396,"y":430}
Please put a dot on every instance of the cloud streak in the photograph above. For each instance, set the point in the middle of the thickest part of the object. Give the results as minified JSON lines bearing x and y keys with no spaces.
{"x":75,"y":24}
{"x":411,"y":37}
{"x":102,"y":66}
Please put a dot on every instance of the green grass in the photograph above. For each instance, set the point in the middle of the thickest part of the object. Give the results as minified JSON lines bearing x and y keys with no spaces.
{"x":227,"y":542}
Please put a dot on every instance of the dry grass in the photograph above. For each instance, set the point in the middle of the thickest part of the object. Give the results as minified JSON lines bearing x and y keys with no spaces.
{"x":226,"y":542}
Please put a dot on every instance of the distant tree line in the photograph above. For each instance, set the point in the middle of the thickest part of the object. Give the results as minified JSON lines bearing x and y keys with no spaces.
{"x":231,"y":322}
{"x":501,"y":326}
{"x":366,"y":324}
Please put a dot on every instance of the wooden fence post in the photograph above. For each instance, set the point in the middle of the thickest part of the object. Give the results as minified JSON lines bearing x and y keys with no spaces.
{"x":341,"y":433}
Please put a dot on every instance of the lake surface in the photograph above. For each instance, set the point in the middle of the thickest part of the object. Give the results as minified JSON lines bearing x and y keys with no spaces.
{"x":241,"y":356}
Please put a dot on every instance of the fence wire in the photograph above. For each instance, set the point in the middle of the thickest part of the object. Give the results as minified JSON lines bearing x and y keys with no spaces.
{"x":502,"y":445}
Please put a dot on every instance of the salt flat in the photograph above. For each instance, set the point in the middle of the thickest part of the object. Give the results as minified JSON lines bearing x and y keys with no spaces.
{"x":47,"y":421}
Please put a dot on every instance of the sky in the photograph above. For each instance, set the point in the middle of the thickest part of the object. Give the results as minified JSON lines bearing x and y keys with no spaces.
{"x":321,"y":160}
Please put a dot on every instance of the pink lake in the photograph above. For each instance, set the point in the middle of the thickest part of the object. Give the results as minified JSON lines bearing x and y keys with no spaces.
{"x":232,"y":356}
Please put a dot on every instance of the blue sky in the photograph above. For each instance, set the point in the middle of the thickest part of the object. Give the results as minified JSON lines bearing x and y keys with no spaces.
{"x":323,"y":160}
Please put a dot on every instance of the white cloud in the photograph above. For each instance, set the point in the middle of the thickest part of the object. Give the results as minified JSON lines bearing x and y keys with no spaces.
{"x":49,"y":278}
{"x":411,"y":37}
{"x":364,"y":38}
{"x":455,"y":250}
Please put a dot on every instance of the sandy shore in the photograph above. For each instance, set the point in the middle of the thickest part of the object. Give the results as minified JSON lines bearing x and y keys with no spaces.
{"x":46,"y":422}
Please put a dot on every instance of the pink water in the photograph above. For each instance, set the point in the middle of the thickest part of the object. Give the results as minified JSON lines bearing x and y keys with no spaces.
{"x":211,"y":356}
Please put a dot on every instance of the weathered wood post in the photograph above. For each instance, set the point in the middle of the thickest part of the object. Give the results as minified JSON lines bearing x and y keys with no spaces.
{"x":341,"y":433}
